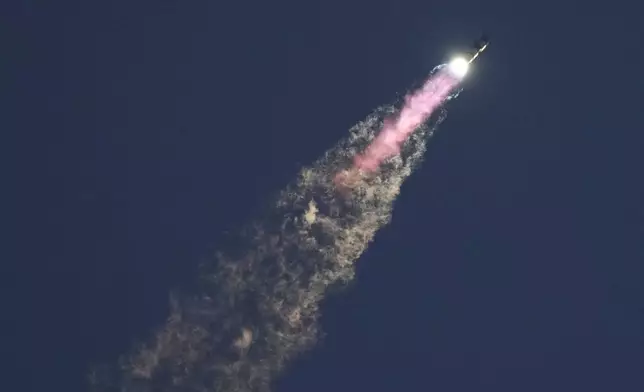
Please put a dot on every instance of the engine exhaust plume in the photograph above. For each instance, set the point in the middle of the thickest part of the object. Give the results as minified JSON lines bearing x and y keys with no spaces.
{"x":418,"y":107}
{"x":257,"y":306}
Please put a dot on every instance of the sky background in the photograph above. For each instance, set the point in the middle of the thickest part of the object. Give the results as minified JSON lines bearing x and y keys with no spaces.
{"x":144,"y":130}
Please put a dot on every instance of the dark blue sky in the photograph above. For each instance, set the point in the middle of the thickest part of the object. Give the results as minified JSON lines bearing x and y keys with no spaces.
{"x":515,"y":258}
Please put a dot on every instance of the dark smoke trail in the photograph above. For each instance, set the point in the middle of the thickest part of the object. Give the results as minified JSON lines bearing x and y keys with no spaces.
{"x":259,"y":308}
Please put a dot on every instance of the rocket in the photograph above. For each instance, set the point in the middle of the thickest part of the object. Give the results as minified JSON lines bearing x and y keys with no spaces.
{"x":459,"y":65}
{"x":479,"y":46}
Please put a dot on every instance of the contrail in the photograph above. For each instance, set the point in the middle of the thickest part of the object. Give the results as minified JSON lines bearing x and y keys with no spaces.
{"x":258,"y":306}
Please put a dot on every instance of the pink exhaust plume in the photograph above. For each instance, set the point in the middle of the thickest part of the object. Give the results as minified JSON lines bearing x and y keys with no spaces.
{"x":418,"y":107}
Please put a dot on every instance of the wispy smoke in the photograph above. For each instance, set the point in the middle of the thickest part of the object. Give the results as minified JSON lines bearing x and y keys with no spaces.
{"x":258,"y":305}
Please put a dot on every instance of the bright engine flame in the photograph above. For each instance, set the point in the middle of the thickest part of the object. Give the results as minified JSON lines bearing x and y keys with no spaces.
{"x":458,"y":67}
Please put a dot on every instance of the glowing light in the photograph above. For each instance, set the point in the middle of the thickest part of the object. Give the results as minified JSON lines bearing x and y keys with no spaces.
{"x":459,"y":67}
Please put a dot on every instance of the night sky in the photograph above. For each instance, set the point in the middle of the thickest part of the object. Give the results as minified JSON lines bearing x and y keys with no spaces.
{"x":145,"y":130}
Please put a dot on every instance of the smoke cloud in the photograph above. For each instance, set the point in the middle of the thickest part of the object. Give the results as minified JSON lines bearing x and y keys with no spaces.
{"x":257,"y":305}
